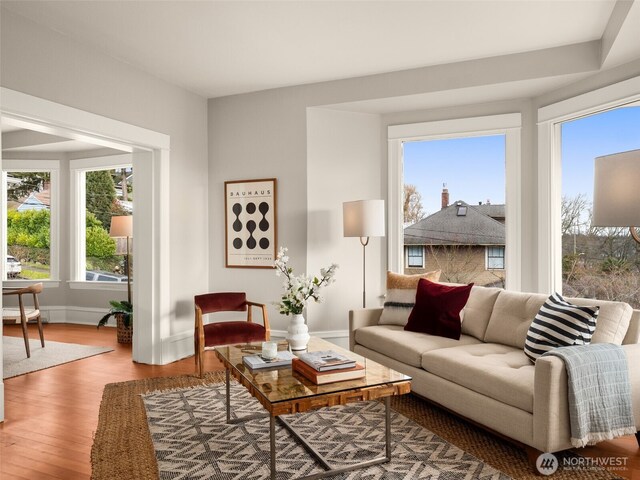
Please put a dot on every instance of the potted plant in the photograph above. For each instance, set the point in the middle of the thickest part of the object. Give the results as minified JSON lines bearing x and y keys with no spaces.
{"x":123,"y":313}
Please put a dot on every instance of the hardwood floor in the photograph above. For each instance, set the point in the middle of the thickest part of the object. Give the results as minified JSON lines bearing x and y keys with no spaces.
{"x":51,"y":415}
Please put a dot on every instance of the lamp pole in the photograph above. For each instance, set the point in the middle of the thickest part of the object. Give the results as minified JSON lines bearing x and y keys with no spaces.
{"x":364,"y":241}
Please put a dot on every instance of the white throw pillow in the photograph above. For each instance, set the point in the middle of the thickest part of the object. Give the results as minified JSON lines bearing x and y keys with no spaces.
{"x":401,"y":296}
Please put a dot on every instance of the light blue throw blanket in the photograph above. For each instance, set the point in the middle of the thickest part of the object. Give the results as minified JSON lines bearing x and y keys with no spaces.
{"x":599,"y":392}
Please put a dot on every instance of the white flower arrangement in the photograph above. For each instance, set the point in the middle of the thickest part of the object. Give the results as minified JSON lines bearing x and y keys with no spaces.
{"x":299,"y":289}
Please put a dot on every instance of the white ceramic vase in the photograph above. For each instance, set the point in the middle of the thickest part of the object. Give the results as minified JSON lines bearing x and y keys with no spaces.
{"x":297,"y":333}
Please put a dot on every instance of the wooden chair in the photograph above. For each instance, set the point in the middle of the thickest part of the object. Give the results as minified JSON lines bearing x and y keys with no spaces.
{"x":24,"y":314}
{"x":226,"y":332}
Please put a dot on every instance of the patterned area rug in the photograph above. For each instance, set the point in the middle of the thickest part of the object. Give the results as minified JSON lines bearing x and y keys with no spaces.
{"x":192,"y":440}
{"x":15,"y":361}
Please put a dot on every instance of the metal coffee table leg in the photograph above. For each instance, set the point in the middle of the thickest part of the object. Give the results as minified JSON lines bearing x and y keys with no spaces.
{"x":329,"y":470}
{"x":272,"y":441}
{"x":228,"y":394}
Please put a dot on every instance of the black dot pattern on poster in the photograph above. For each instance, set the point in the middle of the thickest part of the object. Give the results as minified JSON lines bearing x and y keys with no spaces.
{"x":264,"y":208}
{"x":264,"y":243}
{"x":237,"y":243}
{"x":251,"y":241}
{"x":251,"y":208}
{"x":237,"y":210}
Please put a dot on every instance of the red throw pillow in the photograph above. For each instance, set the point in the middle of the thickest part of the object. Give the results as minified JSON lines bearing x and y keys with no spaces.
{"x":437,"y":309}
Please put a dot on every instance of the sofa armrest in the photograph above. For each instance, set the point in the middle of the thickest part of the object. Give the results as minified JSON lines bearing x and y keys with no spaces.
{"x":363,"y":317}
{"x":633,"y":361}
{"x":551,"y":427}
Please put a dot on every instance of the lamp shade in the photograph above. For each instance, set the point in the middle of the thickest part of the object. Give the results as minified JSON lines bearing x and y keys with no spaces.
{"x":363,"y":218}
{"x":121,"y":226}
{"x":616,"y":190}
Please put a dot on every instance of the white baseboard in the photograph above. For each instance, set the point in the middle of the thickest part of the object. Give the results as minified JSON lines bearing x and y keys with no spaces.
{"x":76,"y":315}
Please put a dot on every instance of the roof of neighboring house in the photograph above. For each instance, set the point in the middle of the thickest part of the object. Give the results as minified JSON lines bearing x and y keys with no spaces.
{"x":446,"y":227}
{"x":36,"y":201}
{"x":493,"y":211}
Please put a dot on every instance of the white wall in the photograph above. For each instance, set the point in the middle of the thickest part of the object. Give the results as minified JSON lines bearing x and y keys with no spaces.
{"x":266,"y":134}
{"x":343,"y":164}
{"x":43,"y":63}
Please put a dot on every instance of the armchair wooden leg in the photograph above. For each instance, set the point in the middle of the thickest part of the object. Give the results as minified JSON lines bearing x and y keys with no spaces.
{"x":41,"y":331}
{"x":200,"y":356}
{"x":25,"y":334}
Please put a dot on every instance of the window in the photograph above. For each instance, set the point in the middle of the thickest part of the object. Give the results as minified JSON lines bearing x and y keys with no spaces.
{"x":415,"y":256}
{"x":495,"y":258}
{"x":30,"y":220}
{"x":102,"y":190}
{"x":478,"y":159}
{"x":456,"y":230}
{"x":557,"y":265}
{"x":597,"y":262}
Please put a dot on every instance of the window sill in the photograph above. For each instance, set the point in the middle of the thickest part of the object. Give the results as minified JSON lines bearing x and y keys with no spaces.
{"x":24,"y":283}
{"x":84,"y":285}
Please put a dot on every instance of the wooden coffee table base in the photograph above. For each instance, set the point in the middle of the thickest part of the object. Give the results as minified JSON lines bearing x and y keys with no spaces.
{"x":329,"y":469}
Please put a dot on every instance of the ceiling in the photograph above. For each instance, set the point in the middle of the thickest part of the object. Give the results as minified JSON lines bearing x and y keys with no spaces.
{"x":218,"y":48}
{"x":22,"y":143}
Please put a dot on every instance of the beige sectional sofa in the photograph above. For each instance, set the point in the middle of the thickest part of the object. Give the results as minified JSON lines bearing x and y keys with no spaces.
{"x":485,"y":376}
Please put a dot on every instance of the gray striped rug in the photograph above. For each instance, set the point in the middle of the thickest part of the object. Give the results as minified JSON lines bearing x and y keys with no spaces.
{"x":192,"y":440}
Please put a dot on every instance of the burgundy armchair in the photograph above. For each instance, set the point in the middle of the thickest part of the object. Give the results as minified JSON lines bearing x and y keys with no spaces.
{"x":226,"y":332}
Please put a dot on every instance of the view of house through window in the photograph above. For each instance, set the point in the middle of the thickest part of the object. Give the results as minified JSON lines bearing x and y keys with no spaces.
{"x":28,"y":217}
{"x":454,"y":209}
{"x":597,"y":262}
{"x":109,"y":194}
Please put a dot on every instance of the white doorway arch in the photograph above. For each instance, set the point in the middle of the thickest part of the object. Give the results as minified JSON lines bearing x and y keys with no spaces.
{"x":150,"y":151}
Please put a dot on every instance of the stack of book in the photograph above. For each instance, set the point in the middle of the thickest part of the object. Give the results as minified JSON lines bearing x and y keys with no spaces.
{"x":327,"y":366}
{"x":257,"y":361}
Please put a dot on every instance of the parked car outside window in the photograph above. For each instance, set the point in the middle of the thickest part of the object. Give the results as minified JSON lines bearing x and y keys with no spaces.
{"x":14,"y":267}
{"x":100,"y":276}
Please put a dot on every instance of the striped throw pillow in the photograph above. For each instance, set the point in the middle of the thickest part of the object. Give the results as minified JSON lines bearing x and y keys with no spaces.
{"x":559,"y":324}
{"x":401,"y":296}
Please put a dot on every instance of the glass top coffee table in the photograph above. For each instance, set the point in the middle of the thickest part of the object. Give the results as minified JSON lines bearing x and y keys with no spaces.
{"x":281,"y":391}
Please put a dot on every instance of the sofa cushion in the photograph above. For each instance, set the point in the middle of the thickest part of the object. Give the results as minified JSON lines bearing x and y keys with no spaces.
{"x":513,"y":312}
{"x":401,"y":296}
{"x":498,"y":371}
{"x":613,"y":319}
{"x":559,"y":324}
{"x":477,"y":311}
{"x":437,"y":309}
{"x":406,"y":347}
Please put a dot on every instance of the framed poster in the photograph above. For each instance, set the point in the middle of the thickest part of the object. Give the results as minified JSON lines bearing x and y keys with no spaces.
{"x":250,"y":223}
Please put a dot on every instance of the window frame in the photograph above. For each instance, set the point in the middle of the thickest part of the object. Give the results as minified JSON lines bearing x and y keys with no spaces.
{"x":422,"y":256}
{"x":550,"y":119}
{"x":53,"y":167}
{"x":487,"y":257}
{"x":509,"y":125}
{"x":77,"y":190}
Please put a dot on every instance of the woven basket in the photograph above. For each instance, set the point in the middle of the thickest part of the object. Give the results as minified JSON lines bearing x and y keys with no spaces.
{"x":125,"y":334}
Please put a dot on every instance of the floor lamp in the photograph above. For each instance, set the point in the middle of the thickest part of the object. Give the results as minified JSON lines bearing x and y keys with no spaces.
{"x":122,"y":226}
{"x":616,"y":191}
{"x":364,"y":219}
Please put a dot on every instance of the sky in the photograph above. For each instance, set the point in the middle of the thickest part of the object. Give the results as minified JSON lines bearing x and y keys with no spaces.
{"x":473,"y":167}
